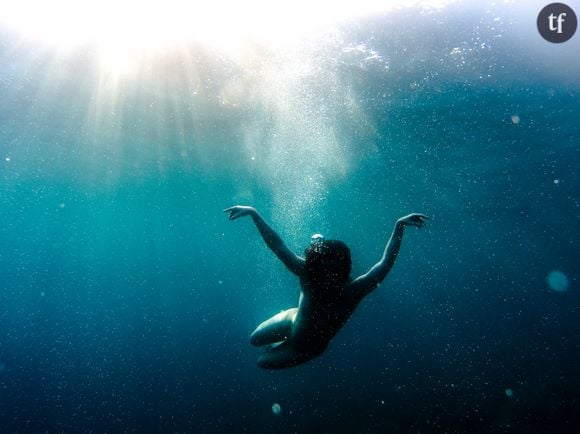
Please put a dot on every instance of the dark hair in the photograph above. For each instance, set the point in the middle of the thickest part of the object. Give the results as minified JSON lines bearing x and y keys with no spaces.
{"x":328,"y":259}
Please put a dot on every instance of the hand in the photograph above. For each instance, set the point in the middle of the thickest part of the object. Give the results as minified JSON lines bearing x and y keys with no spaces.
{"x":239,"y":211}
{"x":413,"y":220}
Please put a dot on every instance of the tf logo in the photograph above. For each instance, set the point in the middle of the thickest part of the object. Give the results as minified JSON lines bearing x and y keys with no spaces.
{"x":557,"y":23}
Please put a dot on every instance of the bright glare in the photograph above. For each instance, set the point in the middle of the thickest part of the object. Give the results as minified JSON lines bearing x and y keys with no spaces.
{"x":126,"y":30}
{"x":150,"y":24}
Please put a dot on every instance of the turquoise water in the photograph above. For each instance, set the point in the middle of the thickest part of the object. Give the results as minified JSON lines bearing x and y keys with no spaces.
{"x":128,"y":298}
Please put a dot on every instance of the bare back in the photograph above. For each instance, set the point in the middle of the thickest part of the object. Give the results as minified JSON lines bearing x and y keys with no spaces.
{"x":322,"y":311}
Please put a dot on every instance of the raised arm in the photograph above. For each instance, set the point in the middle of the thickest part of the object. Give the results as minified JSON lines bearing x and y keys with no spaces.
{"x":369,"y":281}
{"x":292,"y":261}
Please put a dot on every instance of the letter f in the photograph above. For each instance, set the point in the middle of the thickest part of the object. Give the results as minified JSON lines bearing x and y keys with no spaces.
{"x":560,"y":21}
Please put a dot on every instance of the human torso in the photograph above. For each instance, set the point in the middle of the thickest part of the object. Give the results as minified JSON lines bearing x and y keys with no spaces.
{"x":322,"y":311}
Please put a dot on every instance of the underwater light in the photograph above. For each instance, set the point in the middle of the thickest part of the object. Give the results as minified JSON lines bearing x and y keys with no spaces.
{"x":145,"y":25}
{"x":125,"y":32}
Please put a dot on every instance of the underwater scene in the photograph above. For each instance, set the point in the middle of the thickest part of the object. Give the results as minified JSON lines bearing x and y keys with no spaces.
{"x":127,"y":296}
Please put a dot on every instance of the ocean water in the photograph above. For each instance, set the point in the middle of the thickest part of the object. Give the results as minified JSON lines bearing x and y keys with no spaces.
{"x":127,"y":297}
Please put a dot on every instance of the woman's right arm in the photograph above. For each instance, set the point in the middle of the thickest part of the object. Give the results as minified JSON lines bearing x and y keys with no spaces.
{"x":292,"y":261}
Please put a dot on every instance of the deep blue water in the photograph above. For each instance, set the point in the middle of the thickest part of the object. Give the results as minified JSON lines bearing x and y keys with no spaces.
{"x":127,"y":297}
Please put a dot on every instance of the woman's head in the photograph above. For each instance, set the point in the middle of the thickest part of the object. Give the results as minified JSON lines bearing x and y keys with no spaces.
{"x":327,"y":259}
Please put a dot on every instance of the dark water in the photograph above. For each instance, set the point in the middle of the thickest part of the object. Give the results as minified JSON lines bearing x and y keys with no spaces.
{"x":127,"y":297}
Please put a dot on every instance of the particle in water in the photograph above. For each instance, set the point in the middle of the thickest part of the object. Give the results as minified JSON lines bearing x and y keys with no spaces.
{"x":556,"y":181}
{"x":220,"y":282}
{"x":557,"y":281}
{"x":509,"y":393}
{"x":515,"y":119}
{"x":276,"y":409}
{"x":7,"y":159}
{"x":42,"y":293}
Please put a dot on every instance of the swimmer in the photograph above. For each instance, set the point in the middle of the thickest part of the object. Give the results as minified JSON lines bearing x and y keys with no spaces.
{"x":328,"y":295}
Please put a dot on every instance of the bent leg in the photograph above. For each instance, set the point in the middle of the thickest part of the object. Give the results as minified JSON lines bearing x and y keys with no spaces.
{"x":284,"y":356}
{"x":275,"y":329}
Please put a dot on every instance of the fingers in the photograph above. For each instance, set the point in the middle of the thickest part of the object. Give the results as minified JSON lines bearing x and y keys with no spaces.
{"x":233,"y":212}
{"x":418,"y":221}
